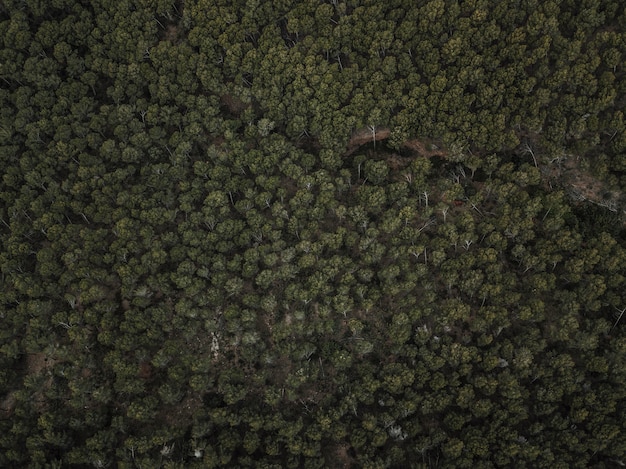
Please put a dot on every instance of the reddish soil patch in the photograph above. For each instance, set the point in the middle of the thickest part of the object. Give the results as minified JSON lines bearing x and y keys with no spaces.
{"x":396,"y":162}
{"x":424,"y":149}
{"x":365,"y":136}
{"x":182,"y":415}
{"x":580,"y":183}
{"x":338,"y":456}
{"x":145,"y":371}
{"x":343,"y":456}
{"x":235,"y":106}
{"x":7,"y":406}
{"x":37,"y":364}
{"x":583,"y":185}
{"x":171,"y":33}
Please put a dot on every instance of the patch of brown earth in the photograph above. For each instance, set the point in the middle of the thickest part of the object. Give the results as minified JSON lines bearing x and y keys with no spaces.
{"x":234,"y":105}
{"x":145,"y":371}
{"x":38,"y":364}
{"x":171,"y":33}
{"x":181,"y":415}
{"x":582,"y":185}
{"x":7,"y":406}
{"x":424,"y":148}
{"x":363,"y":136}
{"x":338,"y":456}
{"x":367,"y":135}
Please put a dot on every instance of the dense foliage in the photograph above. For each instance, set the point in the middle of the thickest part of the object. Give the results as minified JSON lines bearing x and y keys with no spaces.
{"x":201,"y":268}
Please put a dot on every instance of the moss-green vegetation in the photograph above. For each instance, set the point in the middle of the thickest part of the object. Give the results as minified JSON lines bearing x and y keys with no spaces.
{"x":312,"y":234}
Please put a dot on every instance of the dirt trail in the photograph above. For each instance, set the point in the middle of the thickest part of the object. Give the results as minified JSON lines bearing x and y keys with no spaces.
{"x":579,"y":182}
{"x":364,"y":136}
{"x":424,"y":149}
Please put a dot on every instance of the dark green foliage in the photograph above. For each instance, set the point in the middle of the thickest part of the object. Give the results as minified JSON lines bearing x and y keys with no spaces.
{"x":591,"y":219}
{"x":312,"y":234}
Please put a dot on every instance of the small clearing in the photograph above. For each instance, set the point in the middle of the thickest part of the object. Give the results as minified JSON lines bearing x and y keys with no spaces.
{"x":582,"y":185}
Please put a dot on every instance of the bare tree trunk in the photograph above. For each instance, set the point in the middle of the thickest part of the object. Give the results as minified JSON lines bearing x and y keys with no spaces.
{"x":373,"y":129}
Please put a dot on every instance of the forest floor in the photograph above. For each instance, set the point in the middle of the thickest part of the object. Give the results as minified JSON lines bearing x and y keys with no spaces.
{"x":568,"y":172}
{"x":7,"y":405}
{"x":364,"y":136}
{"x":39,"y":366}
{"x":581,"y":184}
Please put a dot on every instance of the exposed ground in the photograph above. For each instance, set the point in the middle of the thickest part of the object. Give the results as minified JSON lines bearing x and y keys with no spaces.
{"x":7,"y":405}
{"x":36,"y":364}
{"x":568,"y":171}
{"x":364,"y":136}
{"x":581,"y":184}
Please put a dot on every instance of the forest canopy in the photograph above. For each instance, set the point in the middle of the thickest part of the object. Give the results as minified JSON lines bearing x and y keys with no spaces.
{"x":274,"y":234}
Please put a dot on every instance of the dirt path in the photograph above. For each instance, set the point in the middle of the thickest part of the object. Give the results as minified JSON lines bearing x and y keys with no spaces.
{"x":424,"y":149}
{"x":568,"y":172}
{"x":364,"y":136}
